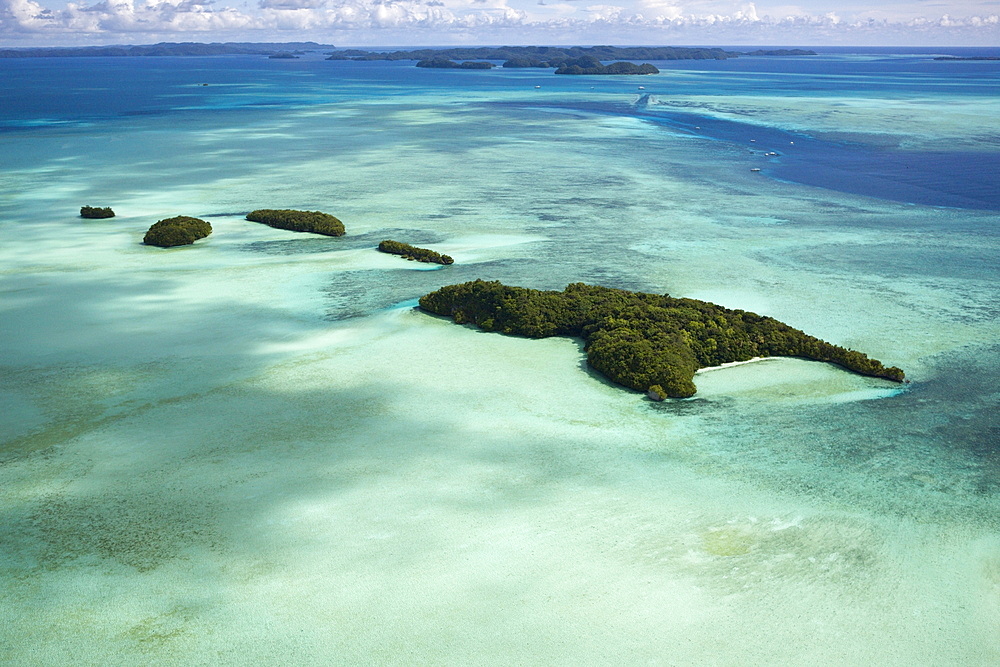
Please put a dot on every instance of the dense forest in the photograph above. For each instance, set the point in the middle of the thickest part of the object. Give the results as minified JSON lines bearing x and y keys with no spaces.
{"x":96,"y":212}
{"x":554,"y":56}
{"x":414,"y":253}
{"x":647,"y":342}
{"x":180,"y":230}
{"x":316,"y":222}
{"x":444,"y":63}
{"x":557,"y":56}
{"x":164,"y":49}
{"x":591,"y":65}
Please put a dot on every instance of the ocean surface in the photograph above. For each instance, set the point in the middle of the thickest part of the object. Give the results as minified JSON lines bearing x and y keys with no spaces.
{"x":255,"y":450}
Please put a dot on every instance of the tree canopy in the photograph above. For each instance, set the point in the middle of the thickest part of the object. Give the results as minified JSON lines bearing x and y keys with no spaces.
{"x":648,"y":342}
{"x":316,"y":222}
{"x":96,"y":213}
{"x":413,"y":253}
{"x":180,"y":230}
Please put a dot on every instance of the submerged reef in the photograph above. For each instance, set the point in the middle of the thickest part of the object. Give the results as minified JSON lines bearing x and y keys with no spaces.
{"x":316,"y":222}
{"x":647,"y":342}
{"x":96,"y":212}
{"x":414,"y":253}
{"x":180,"y":230}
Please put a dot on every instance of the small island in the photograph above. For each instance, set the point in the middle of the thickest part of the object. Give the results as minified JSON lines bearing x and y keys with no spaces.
{"x":413,"y":253}
{"x":591,"y":65}
{"x":315,"y":222}
{"x":96,"y":212}
{"x":283,"y":55}
{"x":444,"y":63}
{"x":180,"y":230}
{"x":647,"y":342}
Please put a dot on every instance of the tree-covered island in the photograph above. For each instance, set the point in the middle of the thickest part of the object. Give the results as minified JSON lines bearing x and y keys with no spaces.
{"x":180,"y":230}
{"x":444,"y":63}
{"x":591,"y":65}
{"x":556,"y":56}
{"x":414,"y":253}
{"x":316,"y":222}
{"x":96,"y":212}
{"x":648,"y":342}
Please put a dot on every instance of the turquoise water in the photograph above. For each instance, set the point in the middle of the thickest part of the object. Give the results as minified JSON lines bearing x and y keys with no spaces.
{"x":254,"y":449}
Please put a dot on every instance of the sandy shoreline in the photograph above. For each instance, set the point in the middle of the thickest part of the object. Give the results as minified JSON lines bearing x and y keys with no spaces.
{"x":732,"y":363}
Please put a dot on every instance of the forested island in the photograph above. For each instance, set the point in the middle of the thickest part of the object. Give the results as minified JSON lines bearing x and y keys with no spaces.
{"x":414,"y":253}
{"x":315,"y":222}
{"x":556,"y":56}
{"x":591,"y":65}
{"x":96,"y":212}
{"x":444,"y":63}
{"x":179,"y":230}
{"x":648,"y":342}
{"x":165,"y":49}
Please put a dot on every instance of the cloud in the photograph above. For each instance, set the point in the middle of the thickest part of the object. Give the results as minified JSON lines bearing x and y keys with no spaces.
{"x":485,"y":21}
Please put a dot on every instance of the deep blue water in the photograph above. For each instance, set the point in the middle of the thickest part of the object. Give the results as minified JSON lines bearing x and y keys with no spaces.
{"x":59,"y":92}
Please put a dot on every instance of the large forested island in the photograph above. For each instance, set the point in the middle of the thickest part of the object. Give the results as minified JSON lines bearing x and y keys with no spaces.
{"x":648,"y":342}
{"x":556,"y":56}
{"x":164,"y":49}
{"x":591,"y":65}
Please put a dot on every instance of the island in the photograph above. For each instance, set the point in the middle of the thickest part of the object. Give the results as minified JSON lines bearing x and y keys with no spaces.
{"x":96,"y":212}
{"x":444,"y":63}
{"x":179,"y":230}
{"x":163,"y":49}
{"x":413,"y":253}
{"x":648,"y":342}
{"x":780,"y":52}
{"x":591,"y":65}
{"x":283,"y":55}
{"x":552,"y":56}
{"x":315,"y":222}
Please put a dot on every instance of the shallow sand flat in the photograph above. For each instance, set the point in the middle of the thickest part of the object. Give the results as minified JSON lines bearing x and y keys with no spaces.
{"x":517,"y":508}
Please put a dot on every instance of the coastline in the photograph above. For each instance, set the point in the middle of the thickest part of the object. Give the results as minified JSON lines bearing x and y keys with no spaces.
{"x":730,"y":364}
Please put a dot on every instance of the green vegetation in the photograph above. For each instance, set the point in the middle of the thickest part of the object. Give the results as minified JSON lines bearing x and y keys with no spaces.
{"x":591,"y":65}
{"x":162,"y":49}
{"x":181,"y":230}
{"x":647,"y":342}
{"x":444,"y":63}
{"x":780,"y":52}
{"x":554,"y":56}
{"x":299,"y":221}
{"x":413,"y":253}
{"x":96,"y":213}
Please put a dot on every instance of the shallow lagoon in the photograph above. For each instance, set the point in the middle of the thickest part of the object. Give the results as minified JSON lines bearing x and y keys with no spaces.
{"x":255,"y":450}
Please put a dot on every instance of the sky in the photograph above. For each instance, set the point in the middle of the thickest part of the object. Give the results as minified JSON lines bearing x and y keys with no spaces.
{"x":494,"y":22}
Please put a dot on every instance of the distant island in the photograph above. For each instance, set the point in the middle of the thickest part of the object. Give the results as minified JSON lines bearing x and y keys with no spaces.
{"x":444,"y":63}
{"x":648,"y":342}
{"x":591,"y":65}
{"x":166,"y":49}
{"x":552,"y":57}
{"x":967,"y":58}
{"x":180,"y":230}
{"x":96,"y":213}
{"x":315,"y":222}
{"x":413,"y":253}
{"x":780,"y":52}
{"x":284,"y":55}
